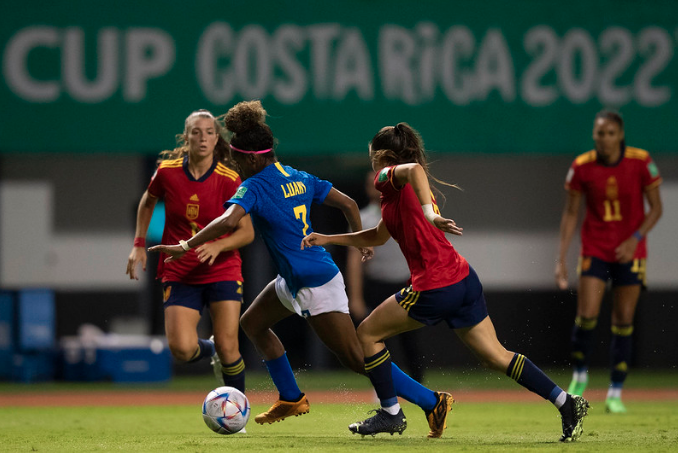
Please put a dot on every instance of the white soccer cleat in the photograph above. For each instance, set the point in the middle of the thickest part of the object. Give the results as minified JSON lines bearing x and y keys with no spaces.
{"x":215,"y":361}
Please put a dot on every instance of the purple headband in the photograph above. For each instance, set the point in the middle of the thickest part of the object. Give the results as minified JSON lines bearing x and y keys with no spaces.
{"x":250,"y":152}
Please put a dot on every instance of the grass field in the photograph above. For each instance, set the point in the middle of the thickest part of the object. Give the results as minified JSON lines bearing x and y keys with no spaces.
{"x":474,"y":426}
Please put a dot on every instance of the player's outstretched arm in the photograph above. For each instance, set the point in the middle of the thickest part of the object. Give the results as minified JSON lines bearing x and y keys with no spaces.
{"x":223,"y":224}
{"x":371,"y":237}
{"x":241,"y":236}
{"x":415,"y":175}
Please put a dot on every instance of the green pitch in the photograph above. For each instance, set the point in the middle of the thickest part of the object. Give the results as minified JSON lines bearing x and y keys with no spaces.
{"x":472,"y":427}
{"x":528,"y":426}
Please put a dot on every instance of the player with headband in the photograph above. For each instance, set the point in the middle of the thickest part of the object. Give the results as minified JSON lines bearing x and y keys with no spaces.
{"x":279,"y":199}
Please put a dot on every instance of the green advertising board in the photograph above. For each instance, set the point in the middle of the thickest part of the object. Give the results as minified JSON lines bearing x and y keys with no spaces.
{"x":492,"y":76}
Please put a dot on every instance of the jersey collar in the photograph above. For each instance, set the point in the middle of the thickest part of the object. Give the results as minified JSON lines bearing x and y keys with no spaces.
{"x":203,"y":177}
{"x":613,"y":164}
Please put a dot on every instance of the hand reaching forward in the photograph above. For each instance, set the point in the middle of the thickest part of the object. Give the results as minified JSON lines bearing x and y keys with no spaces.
{"x":314,"y":239}
{"x":175,"y":252}
{"x":447,"y":225}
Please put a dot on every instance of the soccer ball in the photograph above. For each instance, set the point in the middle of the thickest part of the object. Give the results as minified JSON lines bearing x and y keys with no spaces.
{"x":226,"y":410}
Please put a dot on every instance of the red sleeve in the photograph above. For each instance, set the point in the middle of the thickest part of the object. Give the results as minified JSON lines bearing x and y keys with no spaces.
{"x":383,"y":181}
{"x":156,"y":186}
{"x":650,"y":174}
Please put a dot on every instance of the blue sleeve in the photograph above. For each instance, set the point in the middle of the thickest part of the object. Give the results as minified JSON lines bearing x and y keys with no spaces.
{"x":321,"y":189}
{"x":245,"y":197}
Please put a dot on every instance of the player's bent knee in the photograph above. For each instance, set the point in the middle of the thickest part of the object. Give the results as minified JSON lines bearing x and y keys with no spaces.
{"x":365,"y":336}
{"x":183,"y":349}
{"x":181,"y":353}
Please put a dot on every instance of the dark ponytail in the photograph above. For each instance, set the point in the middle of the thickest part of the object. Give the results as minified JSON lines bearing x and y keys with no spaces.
{"x":401,"y":144}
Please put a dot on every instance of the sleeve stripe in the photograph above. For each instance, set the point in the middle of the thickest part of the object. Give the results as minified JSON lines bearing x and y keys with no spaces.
{"x":229,"y":175}
{"x":171,"y":163}
{"x":587,"y":157}
{"x":224,"y":170}
{"x":653,"y":185}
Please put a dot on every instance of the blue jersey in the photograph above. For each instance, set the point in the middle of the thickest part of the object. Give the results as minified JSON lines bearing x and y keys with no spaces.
{"x":279,"y":200}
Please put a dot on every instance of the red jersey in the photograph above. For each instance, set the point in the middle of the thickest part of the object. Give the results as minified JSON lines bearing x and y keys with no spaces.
{"x":614,"y":199}
{"x":432,"y":260}
{"x":190,"y":205}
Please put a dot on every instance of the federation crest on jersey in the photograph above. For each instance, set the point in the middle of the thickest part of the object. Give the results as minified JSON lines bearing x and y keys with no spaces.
{"x":240,"y":192}
{"x":192,"y":211}
{"x":611,"y":188}
{"x":383,"y":175}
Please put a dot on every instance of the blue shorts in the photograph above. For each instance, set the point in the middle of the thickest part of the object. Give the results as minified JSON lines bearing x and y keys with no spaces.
{"x":198,"y":296}
{"x":459,"y":305}
{"x":621,"y":274}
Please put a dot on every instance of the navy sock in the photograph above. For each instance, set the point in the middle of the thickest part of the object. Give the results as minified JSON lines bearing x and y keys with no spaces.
{"x":205,"y":349}
{"x":234,"y":374}
{"x":281,"y":372}
{"x":582,"y":338}
{"x":411,"y":390}
{"x":378,"y":369}
{"x":620,"y":354}
{"x":526,"y":373}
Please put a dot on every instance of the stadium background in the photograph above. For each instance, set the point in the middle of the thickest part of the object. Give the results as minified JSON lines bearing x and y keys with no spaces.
{"x":503,"y":95}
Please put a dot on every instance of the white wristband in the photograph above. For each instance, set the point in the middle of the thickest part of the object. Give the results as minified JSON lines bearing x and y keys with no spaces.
{"x":429,"y":214}
{"x":184,"y":245}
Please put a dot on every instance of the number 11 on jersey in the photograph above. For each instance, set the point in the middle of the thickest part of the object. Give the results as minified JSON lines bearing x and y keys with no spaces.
{"x":612,"y":211}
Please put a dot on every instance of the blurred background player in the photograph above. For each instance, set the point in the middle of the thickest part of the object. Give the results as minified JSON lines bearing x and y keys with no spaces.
{"x":309,"y":284}
{"x":372,"y":281}
{"x":194,"y":180}
{"x":444,"y":286}
{"x":615,"y":179}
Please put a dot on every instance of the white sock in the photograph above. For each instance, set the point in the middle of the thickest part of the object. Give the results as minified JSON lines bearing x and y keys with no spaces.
{"x":560,"y":399}
{"x":393,"y":410}
{"x":614,"y":392}
{"x":580,"y":376}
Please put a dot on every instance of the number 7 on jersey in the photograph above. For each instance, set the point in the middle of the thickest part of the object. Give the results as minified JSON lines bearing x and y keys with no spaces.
{"x":300,"y":213}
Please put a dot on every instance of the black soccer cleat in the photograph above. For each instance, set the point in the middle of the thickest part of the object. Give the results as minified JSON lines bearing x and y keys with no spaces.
{"x":573,"y":413}
{"x":380,"y":422}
